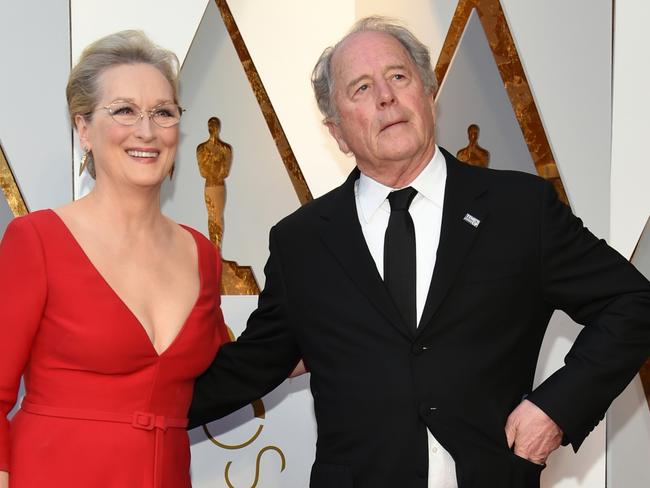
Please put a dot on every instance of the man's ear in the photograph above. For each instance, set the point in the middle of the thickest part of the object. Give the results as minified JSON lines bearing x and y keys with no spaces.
{"x":82,"y":129}
{"x":335,"y":130}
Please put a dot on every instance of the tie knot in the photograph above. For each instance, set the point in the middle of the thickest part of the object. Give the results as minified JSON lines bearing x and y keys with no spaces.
{"x":401,"y":199}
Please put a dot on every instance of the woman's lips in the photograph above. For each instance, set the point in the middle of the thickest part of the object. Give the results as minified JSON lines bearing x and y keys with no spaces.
{"x":142,"y":154}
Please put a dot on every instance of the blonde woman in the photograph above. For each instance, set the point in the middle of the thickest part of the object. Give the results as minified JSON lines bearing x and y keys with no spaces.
{"x":108,"y":308}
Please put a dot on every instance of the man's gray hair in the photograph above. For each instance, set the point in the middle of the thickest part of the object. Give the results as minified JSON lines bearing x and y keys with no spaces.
{"x":323,"y":82}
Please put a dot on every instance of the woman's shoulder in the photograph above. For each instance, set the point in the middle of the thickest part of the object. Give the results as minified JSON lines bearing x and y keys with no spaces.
{"x":196,"y":233}
{"x":205,"y":246}
{"x":199,"y":236}
{"x":209,"y":258}
{"x":39,"y":220}
{"x":29,"y":234}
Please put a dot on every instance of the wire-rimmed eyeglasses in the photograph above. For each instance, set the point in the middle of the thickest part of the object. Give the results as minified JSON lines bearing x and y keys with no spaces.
{"x":164,"y":115}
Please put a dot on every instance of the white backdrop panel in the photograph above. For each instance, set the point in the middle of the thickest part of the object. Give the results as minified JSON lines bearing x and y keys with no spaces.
{"x":628,"y":432}
{"x":288,"y":425}
{"x":566,"y":50}
{"x":34,"y":127}
{"x":473,"y":92}
{"x":428,"y":19}
{"x":285,"y":38}
{"x":168,"y":22}
{"x":630,"y":124}
{"x":259,"y":192}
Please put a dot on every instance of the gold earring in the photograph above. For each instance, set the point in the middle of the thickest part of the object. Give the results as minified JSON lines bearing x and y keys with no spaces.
{"x":84,"y":161}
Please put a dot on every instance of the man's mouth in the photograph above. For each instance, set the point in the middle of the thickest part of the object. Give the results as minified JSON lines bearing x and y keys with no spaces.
{"x":392,"y":124}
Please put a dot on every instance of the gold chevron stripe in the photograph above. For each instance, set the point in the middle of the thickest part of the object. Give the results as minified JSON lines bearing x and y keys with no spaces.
{"x":10,"y":188}
{"x":514,"y":79}
{"x":280,"y":138}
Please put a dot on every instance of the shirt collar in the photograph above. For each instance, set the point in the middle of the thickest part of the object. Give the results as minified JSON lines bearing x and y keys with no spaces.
{"x":430,"y":184}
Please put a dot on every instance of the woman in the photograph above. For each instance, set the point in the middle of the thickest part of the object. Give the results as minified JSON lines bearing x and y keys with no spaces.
{"x":108,"y":308}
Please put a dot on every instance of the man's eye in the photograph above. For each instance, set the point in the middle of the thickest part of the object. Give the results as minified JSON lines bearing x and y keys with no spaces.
{"x":399,"y":76}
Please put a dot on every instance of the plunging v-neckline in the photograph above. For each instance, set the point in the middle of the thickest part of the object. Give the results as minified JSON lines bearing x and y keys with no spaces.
{"x":119,"y":298}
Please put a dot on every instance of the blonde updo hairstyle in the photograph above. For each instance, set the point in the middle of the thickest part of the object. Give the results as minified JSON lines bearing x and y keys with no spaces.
{"x":125,"y":47}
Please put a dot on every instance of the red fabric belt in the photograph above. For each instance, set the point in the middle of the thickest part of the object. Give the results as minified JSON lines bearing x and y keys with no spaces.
{"x":138,"y":420}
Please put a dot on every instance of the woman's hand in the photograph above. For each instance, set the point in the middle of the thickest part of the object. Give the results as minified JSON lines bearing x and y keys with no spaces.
{"x":4,"y":479}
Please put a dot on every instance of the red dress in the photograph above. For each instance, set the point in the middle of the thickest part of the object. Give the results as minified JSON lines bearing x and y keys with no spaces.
{"x":103,"y":409}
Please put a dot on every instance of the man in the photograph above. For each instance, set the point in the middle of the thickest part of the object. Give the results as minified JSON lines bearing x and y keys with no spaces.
{"x":420,"y":312}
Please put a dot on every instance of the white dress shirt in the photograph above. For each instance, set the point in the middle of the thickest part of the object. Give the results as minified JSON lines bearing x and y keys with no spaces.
{"x":373,"y":210}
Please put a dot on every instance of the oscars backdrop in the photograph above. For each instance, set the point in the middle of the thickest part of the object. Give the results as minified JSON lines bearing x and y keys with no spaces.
{"x":523,"y":85}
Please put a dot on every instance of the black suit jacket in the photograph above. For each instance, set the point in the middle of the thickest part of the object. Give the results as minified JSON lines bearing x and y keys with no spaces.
{"x":377,"y":386}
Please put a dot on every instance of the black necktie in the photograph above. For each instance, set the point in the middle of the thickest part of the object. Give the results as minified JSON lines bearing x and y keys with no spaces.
{"x":399,"y":254}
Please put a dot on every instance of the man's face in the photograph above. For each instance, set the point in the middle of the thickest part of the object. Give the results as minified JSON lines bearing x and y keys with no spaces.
{"x":385,"y":116}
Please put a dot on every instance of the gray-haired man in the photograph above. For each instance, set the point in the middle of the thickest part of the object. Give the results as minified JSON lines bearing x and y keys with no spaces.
{"x":420,"y":312}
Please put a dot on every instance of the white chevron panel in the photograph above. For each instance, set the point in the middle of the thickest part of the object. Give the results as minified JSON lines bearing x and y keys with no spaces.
{"x":170,"y":23}
{"x":285,"y":38}
{"x":34,"y":128}
{"x":630,"y":125}
{"x":429,"y":20}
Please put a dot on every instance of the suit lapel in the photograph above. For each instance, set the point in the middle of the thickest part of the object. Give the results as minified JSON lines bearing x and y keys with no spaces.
{"x":462,"y":190}
{"x":342,"y":235}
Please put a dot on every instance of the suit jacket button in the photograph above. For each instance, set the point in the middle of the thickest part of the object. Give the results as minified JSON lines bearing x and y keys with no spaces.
{"x":427,"y":410}
{"x":418,"y":349}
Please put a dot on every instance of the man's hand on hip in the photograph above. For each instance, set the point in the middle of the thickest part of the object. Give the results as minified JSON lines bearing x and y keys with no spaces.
{"x":532,"y":432}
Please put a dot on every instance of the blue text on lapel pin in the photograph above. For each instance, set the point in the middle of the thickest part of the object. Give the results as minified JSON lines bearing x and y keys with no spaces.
{"x":471,"y":220}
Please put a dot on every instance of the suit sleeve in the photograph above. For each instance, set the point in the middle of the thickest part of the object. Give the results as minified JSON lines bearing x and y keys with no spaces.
{"x":258,"y":361}
{"x":22,"y":298}
{"x":601,"y":290}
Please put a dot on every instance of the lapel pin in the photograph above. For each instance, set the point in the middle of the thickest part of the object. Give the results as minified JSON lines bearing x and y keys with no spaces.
{"x":471,"y":220}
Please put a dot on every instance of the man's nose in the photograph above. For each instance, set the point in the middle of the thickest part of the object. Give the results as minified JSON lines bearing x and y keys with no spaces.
{"x":385,"y":95}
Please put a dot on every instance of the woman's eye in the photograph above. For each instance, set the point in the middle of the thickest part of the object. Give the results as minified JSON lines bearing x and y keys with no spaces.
{"x":124,"y":110}
{"x":362,"y":88}
{"x":162,"y":112}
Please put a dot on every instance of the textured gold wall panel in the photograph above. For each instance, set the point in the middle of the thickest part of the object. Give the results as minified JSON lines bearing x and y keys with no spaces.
{"x":10,"y":188}
{"x":514,"y":79}
{"x":280,"y":138}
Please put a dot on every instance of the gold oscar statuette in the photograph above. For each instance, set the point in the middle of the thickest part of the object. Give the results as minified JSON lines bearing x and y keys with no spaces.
{"x":473,"y":153}
{"x":214,"y":158}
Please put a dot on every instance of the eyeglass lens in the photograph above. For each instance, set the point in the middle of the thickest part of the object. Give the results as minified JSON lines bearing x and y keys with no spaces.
{"x":125,"y":113}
